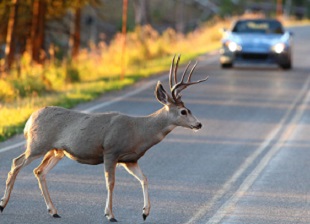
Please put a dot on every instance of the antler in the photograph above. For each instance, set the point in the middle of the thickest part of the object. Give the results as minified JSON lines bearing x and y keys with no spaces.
{"x":179,"y":86}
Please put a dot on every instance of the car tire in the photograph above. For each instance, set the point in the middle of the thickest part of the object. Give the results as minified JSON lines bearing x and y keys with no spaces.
{"x":227,"y":65}
{"x":286,"y":66}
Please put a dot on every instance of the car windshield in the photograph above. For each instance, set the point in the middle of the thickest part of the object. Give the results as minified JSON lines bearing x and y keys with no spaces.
{"x":258,"y":26}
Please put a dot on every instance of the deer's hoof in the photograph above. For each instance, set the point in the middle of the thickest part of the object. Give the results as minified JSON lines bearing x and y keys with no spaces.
{"x":1,"y":208}
{"x":146,"y":212}
{"x":56,"y":216}
{"x":112,"y":220}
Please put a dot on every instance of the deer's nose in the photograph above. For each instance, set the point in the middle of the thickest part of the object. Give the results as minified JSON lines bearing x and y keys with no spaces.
{"x":198,"y":126}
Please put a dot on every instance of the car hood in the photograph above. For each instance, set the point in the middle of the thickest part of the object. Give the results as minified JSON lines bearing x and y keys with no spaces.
{"x":257,"y":42}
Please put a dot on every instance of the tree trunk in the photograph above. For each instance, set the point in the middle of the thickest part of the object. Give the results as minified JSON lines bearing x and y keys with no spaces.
{"x":141,"y":12}
{"x":179,"y":15}
{"x":36,"y":42}
{"x":124,"y":34}
{"x":77,"y":32}
{"x":10,"y":36}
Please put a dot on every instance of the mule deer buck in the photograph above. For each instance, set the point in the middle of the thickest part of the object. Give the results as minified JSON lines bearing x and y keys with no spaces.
{"x":109,"y":138}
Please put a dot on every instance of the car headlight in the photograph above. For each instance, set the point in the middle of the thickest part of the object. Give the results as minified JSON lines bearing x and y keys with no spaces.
{"x":279,"y":48}
{"x":232,"y":46}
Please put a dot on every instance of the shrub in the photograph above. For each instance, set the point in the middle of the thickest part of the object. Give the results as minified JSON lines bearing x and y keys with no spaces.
{"x":72,"y":74}
{"x":29,"y":85}
{"x":7,"y":91}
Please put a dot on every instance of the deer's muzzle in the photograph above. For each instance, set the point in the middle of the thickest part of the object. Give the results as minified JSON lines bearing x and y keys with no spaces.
{"x":197,"y":126}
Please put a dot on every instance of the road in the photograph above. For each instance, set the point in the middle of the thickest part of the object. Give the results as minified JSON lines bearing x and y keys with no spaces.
{"x":248,"y":165}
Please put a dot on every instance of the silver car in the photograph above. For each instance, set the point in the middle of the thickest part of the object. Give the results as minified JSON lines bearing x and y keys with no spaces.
{"x":257,"y":41}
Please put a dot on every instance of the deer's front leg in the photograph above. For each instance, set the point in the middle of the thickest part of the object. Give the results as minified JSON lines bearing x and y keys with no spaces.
{"x":135,"y":170}
{"x":109,"y":171}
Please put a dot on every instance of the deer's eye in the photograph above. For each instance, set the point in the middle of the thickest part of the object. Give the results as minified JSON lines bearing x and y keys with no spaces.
{"x":183,"y":112}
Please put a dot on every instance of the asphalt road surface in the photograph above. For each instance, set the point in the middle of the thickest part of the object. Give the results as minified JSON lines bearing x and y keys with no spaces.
{"x":248,"y":165}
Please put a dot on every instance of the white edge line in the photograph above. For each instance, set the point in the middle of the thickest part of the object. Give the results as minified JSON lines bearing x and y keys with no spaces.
{"x":16,"y":145}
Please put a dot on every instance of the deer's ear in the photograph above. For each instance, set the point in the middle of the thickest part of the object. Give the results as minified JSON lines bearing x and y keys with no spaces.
{"x":161,"y":94}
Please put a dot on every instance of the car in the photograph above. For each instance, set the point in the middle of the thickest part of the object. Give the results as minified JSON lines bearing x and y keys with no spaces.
{"x":257,"y":41}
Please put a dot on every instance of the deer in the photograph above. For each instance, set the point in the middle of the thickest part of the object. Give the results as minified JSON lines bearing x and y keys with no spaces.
{"x":110,"y":138}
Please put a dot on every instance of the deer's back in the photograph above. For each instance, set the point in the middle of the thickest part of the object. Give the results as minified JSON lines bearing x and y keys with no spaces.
{"x":80,"y":135}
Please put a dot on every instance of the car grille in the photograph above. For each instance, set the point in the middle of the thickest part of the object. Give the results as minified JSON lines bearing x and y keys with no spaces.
{"x":253,"y":56}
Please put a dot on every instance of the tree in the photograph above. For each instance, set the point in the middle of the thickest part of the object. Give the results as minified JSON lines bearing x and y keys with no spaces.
{"x":141,"y":12}
{"x":77,"y":32}
{"x":36,"y":39}
{"x":11,"y":30}
{"x":179,"y":16}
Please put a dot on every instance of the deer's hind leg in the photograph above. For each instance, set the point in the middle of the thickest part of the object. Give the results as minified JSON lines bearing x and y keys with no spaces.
{"x":49,"y":161}
{"x":17,"y":164}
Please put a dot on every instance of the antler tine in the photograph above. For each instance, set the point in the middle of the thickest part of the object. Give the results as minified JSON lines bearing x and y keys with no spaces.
{"x":176,"y":70}
{"x":178,"y":87}
{"x":170,"y":73}
{"x":184,"y":73}
{"x":196,"y":82}
{"x":201,"y":80}
{"x":182,"y":85}
{"x":191,"y":72}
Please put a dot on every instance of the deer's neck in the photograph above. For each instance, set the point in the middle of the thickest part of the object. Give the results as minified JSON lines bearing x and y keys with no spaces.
{"x":145,"y":132}
{"x":159,"y":124}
